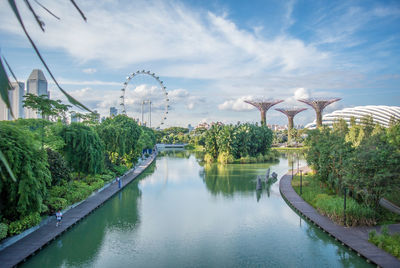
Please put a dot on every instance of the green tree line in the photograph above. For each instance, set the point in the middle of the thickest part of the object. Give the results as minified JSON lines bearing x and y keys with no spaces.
{"x":363,"y":158}
{"x":56,"y":164}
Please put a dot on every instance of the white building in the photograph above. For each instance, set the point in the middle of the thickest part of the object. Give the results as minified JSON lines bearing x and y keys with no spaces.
{"x":4,"y":111}
{"x":17,"y":100}
{"x":36,"y":85}
{"x":16,"y":97}
{"x":380,"y":114}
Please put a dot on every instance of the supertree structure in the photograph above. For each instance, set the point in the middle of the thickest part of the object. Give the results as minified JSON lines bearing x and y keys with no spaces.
{"x":319,"y":105}
{"x":290,"y":113}
{"x":263,"y":105}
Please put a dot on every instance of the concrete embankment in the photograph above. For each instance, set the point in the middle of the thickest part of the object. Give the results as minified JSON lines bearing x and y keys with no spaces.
{"x":355,"y":238}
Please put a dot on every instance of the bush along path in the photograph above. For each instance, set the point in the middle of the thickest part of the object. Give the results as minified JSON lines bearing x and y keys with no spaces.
{"x":356,"y":238}
{"x":27,"y":246}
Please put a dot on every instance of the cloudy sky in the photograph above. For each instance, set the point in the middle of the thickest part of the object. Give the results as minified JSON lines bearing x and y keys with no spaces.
{"x":212,"y":55}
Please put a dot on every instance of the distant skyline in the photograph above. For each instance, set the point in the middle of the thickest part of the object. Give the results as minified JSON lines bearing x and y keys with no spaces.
{"x":213,"y":55}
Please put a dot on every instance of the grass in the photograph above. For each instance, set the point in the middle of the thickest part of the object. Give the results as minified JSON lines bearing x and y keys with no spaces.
{"x":385,"y":241}
{"x":331,"y":205}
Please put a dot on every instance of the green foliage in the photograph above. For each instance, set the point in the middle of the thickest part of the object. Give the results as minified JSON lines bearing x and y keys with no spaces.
{"x":48,"y":108}
{"x":393,"y":135}
{"x":364,"y":159}
{"x":328,"y":203}
{"x":385,"y":241}
{"x":373,"y":170}
{"x":173,"y":135}
{"x":3,"y":230}
{"x":17,"y":227}
{"x":356,"y":214}
{"x":328,"y":154}
{"x":83,"y":148}
{"x":225,"y":158}
{"x":241,"y":141}
{"x":58,"y":167}
{"x":73,"y":191}
{"x":208,"y":158}
{"x":56,"y":203}
{"x":29,"y":164}
{"x":94,"y":181}
{"x":120,"y":170}
{"x":120,"y":135}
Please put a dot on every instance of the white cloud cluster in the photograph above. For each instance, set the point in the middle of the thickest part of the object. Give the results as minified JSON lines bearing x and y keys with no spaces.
{"x":89,"y":70}
{"x":237,"y":104}
{"x":197,"y":44}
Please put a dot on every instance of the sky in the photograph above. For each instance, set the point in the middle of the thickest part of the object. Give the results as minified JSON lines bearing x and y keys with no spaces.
{"x":212,"y":55}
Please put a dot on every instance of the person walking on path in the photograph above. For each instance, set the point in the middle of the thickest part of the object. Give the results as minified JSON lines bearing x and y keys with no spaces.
{"x":119,"y":182}
{"x":58,"y":217}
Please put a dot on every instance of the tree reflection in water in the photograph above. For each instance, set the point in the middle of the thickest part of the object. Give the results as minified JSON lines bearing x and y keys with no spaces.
{"x":233,"y":179}
{"x":117,"y":214}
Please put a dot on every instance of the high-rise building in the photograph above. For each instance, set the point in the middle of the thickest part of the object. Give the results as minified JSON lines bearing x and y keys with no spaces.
{"x":36,"y":85}
{"x":17,"y":100}
{"x":113,"y":111}
{"x":16,"y":97}
{"x":4,"y":111}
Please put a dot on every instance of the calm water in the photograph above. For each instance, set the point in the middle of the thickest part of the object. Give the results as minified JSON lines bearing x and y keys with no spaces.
{"x":181,"y":214}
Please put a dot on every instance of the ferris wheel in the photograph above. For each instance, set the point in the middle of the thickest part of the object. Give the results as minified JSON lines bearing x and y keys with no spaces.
{"x":144,"y":92}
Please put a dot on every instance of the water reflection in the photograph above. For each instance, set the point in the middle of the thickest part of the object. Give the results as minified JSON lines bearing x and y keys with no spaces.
{"x":120,"y":213}
{"x":187,"y":215}
{"x":235,"y":178}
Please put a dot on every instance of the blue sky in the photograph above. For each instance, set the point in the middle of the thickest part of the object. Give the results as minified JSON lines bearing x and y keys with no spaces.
{"x":212,"y":55}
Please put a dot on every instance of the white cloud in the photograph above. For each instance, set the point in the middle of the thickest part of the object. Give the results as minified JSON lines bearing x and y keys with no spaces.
{"x":237,"y":104}
{"x":89,"y":71}
{"x":197,"y":44}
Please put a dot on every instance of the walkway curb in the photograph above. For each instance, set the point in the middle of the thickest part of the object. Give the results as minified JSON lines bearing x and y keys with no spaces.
{"x":21,"y":250}
{"x":347,"y":236}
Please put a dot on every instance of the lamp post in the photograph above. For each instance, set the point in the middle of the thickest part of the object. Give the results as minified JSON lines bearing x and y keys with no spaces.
{"x":292,"y":167}
{"x":301,"y":182}
{"x":344,"y":208}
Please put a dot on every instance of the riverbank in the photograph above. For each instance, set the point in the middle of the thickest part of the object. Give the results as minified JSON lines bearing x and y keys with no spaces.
{"x":35,"y":241}
{"x":355,"y":238}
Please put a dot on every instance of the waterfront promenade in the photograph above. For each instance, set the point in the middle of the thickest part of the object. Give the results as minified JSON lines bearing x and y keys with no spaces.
{"x":32,"y":243}
{"x":355,"y":238}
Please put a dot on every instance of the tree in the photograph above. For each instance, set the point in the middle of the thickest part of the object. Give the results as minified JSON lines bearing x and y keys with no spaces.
{"x":48,"y":108}
{"x":83,"y":150}
{"x":29,"y":164}
{"x":120,"y":136}
{"x":58,"y":167}
{"x":374,"y":169}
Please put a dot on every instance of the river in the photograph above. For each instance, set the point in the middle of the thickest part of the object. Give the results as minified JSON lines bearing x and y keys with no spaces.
{"x":180,"y":213}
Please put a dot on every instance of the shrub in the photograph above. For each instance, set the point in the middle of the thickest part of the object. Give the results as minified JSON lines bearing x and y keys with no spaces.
{"x":385,"y":241}
{"x":3,"y":230}
{"x":107,"y":177}
{"x":208,"y":158}
{"x":17,"y":227}
{"x":356,"y":214}
{"x":120,"y":170}
{"x":56,"y":203}
{"x":58,"y":167}
{"x":260,"y":158}
{"x":225,"y":158}
{"x":95,"y":182}
{"x":78,"y":190}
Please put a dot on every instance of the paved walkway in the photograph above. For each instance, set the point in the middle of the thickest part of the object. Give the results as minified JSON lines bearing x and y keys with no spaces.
{"x":354,"y":238}
{"x":27,"y":246}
